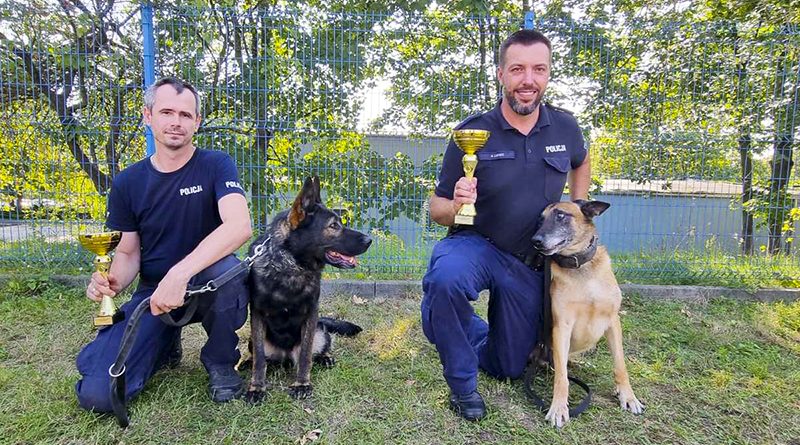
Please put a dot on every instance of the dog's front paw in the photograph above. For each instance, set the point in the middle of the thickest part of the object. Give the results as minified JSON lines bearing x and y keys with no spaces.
{"x":629,"y":402}
{"x":558,"y":415}
{"x":326,"y":361}
{"x":299,"y":391}
{"x":254,"y":397}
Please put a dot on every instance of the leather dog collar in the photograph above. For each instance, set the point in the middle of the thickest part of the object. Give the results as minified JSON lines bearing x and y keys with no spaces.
{"x":579,"y":259}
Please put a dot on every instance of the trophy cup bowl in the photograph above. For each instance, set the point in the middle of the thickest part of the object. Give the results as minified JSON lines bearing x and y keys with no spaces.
{"x":469,"y":141}
{"x":101,"y":244}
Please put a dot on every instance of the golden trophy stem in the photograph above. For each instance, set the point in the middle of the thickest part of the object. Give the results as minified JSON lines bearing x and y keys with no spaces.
{"x":466,"y":214}
{"x":105,"y":317}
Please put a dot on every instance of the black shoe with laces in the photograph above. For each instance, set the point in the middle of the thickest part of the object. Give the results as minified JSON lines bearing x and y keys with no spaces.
{"x":469,"y":406}
{"x":224,"y":384}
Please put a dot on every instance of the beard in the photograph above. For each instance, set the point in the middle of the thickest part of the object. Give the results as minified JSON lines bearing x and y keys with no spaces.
{"x":520,"y":109}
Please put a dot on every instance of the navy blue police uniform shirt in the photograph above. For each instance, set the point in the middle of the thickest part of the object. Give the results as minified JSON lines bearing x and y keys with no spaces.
{"x":518,"y":175}
{"x":172,"y":212}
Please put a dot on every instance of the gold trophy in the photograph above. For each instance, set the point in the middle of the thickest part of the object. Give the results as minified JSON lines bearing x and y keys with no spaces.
{"x":469,"y":141}
{"x":101,"y":244}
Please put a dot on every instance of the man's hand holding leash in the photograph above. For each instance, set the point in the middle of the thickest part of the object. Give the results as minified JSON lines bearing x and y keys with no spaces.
{"x":169,"y":295}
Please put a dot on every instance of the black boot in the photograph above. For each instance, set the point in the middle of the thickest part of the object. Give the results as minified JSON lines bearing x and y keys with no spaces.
{"x":469,"y":406}
{"x":175,"y":352}
{"x":224,"y":384}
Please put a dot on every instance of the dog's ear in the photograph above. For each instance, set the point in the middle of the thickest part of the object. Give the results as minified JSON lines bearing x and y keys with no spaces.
{"x":305,"y":202}
{"x":592,"y":208}
{"x":317,"y":194}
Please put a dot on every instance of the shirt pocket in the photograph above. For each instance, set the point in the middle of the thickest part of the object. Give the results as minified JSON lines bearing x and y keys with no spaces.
{"x":555,"y":177}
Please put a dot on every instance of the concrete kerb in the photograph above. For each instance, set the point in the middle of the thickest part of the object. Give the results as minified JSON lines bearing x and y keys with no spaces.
{"x":402,"y":288}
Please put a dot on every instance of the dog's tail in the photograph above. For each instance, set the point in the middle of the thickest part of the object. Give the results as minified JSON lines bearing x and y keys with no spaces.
{"x":340,"y":327}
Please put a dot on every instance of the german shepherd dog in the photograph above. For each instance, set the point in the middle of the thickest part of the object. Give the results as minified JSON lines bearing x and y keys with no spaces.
{"x":284,"y":284}
{"x":585,"y":298}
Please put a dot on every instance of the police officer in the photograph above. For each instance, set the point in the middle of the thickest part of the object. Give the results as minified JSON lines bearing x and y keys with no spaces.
{"x":182,"y":213}
{"x":533,"y":150}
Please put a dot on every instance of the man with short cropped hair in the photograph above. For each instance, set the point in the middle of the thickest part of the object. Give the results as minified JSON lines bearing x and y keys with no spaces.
{"x":182,"y":213}
{"x":533,"y":149}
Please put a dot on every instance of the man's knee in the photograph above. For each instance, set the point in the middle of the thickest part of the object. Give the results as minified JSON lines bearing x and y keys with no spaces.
{"x":94,"y":394}
{"x":446,"y":281}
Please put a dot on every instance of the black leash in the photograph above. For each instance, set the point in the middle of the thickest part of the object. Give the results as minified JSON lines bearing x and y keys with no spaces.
{"x":117,"y":369}
{"x":542,"y":357}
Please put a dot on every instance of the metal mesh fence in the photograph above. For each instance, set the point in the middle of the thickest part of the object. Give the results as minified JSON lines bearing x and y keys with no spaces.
{"x":687,"y":121}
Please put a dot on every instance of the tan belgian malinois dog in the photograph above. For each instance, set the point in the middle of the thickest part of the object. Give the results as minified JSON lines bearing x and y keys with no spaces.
{"x":585,"y":298}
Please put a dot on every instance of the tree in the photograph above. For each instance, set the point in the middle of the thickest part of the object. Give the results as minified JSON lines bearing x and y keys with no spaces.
{"x":75,"y":59}
{"x":441,"y":63}
{"x":711,"y":75}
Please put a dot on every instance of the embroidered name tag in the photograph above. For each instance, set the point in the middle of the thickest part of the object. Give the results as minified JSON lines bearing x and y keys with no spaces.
{"x":555,"y":148}
{"x":191,"y":190}
{"x":495,"y":155}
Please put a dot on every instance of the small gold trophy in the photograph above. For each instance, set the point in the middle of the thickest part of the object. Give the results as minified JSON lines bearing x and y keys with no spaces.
{"x":101,"y":244}
{"x":469,"y":141}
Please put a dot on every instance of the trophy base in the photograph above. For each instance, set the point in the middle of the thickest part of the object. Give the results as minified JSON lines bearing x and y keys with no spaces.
{"x":107,"y":320}
{"x":465,"y":220}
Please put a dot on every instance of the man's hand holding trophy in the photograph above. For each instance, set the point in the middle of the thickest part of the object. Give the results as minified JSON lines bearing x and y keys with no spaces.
{"x":101,"y":244}
{"x":469,"y":141}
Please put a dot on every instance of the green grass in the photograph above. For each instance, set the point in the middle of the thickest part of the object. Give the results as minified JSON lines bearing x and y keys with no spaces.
{"x":708,"y":268}
{"x":709,"y":374}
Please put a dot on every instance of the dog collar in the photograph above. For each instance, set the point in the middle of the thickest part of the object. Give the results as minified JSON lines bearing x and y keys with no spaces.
{"x":579,"y":259}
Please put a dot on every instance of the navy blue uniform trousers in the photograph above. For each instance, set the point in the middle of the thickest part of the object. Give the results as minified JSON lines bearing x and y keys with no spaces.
{"x":462,"y":265}
{"x":221,"y":313}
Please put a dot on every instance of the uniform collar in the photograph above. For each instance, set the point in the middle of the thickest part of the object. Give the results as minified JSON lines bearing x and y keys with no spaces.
{"x":543,"y":121}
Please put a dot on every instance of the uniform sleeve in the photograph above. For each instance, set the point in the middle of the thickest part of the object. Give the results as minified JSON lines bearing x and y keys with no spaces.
{"x":120,"y":214}
{"x":227,"y":178}
{"x":579,"y":150}
{"x":451,"y":171}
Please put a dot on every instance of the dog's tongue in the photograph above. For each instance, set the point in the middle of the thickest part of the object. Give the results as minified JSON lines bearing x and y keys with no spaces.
{"x":350,"y":260}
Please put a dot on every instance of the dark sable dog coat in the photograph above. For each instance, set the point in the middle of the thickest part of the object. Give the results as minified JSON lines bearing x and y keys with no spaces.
{"x":284,"y":287}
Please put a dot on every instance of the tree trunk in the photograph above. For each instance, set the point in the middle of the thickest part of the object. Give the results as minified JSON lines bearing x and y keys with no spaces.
{"x":745,"y":142}
{"x":527,"y":5}
{"x":262,"y":107}
{"x":746,"y":155}
{"x":785,"y":124}
{"x":781,"y":172}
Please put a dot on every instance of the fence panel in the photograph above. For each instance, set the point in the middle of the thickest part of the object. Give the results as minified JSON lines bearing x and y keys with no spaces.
{"x":686,"y":122}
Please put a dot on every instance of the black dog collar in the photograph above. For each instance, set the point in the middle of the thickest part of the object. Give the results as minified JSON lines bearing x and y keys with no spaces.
{"x":579,"y":259}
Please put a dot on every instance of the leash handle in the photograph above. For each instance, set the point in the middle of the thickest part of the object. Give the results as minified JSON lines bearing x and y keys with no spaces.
{"x":117,"y":370}
{"x":530,"y":375}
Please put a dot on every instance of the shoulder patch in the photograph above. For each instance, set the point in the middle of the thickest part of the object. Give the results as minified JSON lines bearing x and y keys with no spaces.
{"x":468,"y":120}
{"x":555,"y":108}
